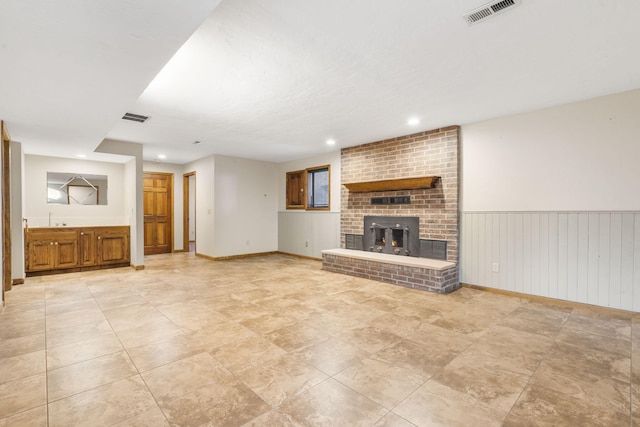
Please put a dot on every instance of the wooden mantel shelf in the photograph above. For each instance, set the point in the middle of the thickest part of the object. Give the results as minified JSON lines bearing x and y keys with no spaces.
{"x":393,"y":184}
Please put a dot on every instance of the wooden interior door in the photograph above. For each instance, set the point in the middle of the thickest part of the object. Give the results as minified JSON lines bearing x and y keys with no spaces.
{"x":158,"y":218}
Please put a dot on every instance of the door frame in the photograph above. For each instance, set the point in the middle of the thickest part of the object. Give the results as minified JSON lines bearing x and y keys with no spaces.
{"x":185,"y":209}
{"x":6,"y":209}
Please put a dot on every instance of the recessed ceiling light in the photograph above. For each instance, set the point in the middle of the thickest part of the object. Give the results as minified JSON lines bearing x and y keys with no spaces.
{"x":413,"y":121}
{"x":82,"y":156}
{"x":331,"y":142}
{"x":162,"y":156}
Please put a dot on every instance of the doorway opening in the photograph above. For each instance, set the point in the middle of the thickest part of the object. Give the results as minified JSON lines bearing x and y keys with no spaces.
{"x":189,"y":209}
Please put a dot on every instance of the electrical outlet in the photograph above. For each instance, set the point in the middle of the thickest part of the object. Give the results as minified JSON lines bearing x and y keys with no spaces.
{"x":496,"y":267}
{"x":247,"y":243}
{"x":306,"y":244}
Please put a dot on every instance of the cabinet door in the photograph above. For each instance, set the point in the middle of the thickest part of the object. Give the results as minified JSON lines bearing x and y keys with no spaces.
{"x":66,"y":253}
{"x":295,"y":189}
{"x":88,"y":248}
{"x":66,"y":248}
{"x":113,"y":248}
{"x":40,"y":255}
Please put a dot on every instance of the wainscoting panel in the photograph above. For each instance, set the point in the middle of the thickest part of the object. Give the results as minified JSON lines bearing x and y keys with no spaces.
{"x":588,"y":257}
{"x":308,"y":233}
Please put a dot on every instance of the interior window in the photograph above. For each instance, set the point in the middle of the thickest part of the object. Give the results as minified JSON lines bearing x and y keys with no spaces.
{"x":318,"y":188}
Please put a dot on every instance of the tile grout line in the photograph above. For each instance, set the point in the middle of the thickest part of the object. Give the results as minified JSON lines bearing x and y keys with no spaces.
{"x":139,"y":374}
{"x":567,"y":326}
{"x":93,"y":358}
{"x":46,"y":356}
{"x":631,"y":377}
{"x":555,"y":338}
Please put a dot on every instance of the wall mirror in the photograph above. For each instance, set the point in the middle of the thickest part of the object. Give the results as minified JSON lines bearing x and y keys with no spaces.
{"x":76,"y":189}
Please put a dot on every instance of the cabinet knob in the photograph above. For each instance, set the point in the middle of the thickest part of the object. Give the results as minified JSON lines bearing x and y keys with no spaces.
{"x":98,"y":237}
{"x":56,"y":243}
{"x":82,"y":234}
{"x":51,"y":243}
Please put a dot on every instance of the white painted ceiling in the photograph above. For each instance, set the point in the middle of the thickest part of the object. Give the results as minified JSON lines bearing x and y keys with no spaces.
{"x":274,"y":79}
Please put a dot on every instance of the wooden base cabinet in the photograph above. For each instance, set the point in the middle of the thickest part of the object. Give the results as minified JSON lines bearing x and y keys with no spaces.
{"x":59,"y":250}
{"x":52,"y":250}
{"x":113,"y":247}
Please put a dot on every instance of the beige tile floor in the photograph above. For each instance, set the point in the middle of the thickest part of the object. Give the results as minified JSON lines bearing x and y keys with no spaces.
{"x":276,"y":341}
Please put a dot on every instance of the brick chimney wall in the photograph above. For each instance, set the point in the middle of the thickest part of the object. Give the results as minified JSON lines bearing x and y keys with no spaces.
{"x":430,"y":153}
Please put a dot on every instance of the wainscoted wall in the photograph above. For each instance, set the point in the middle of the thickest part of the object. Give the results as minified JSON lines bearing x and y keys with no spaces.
{"x":587,"y":257}
{"x":319,"y":230}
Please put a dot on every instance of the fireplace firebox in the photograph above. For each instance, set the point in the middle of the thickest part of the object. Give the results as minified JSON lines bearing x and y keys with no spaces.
{"x":398,"y":235}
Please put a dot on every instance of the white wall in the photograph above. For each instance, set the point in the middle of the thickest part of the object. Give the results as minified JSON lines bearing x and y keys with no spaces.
{"x":177,"y":171}
{"x":131,"y":207}
{"x":35,"y":192}
{"x":553,"y":198}
{"x":581,"y":156}
{"x":246,"y":203}
{"x":205,"y":180}
{"x":303,"y":232}
{"x":133,"y":192}
{"x":17,"y":229}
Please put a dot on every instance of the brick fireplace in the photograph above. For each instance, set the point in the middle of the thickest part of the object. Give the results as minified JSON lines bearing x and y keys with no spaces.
{"x":426,"y":154}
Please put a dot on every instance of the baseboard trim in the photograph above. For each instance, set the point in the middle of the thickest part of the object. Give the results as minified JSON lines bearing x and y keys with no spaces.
{"x":137,"y":267}
{"x":17,"y":282}
{"x":225,"y":258}
{"x":210,"y":258}
{"x":230,"y":257}
{"x":299,"y":256}
{"x":549,"y":300}
{"x":76,"y":269}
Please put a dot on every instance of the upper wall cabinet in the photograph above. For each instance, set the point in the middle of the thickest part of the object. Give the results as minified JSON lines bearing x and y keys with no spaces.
{"x":296,"y":183}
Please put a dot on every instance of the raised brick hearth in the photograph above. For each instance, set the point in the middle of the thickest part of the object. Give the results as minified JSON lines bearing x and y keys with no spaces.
{"x":418,"y":273}
{"x":425,"y":154}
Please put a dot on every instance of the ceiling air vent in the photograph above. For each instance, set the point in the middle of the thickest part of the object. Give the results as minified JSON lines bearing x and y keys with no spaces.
{"x":490,"y":9}
{"x":135,"y":117}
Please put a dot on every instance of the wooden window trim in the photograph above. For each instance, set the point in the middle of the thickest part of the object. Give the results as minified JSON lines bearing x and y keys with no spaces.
{"x":301,"y":177}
